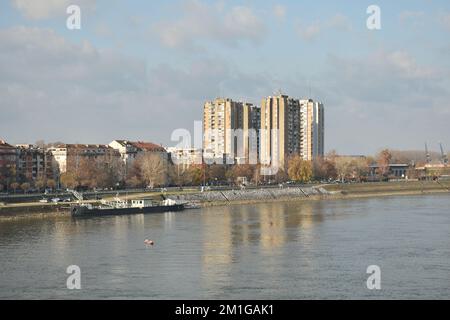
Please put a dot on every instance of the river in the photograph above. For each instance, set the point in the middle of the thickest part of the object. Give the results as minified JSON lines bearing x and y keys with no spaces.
{"x":291,"y":250}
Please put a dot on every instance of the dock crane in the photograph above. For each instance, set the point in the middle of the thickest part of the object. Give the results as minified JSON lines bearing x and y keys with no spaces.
{"x":444,"y":158}
{"x":427,"y":154}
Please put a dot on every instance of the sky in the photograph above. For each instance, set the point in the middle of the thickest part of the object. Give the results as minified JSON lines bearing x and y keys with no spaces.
{"x":139,"y":69}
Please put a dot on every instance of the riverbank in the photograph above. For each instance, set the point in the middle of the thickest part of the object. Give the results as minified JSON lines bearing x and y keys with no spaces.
{"x":249,"y":196}
{"x":323,"y":192}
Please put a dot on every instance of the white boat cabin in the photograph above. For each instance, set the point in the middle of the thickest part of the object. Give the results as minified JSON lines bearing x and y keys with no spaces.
{"x":141,"y":203}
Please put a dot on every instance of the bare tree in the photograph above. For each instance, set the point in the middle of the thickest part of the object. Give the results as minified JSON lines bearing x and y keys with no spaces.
{"x":15,"y":186}
{"x":68,"y":180}
{"x":51,"y":183}
{"x":194,"y":175}
{"x":383,"y":160}
{"x":324,"y":168}
{"x":342,"y":167}
{"x":216,"y":172}
{"x":40,"y":144}
{"x":40,"y":184}
{"x":239,"y":172}
{"x":153,"y":169}
{"x":25,"y":187}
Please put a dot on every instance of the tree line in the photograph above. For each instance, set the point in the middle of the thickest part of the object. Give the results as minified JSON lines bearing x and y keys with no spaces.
{"x":151,"y":170}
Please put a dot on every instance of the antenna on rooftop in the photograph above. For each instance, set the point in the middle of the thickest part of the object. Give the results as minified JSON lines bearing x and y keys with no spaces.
{"x":309,"y":89}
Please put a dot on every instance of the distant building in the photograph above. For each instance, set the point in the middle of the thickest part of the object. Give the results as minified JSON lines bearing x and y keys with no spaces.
{"x":433,"y":170}
{"x":230,"y":131}
{"x":8,"y":157}
{"x":34,"y":163}
{"x":398,"y":170}
{"x":185,"y":157}
{"x":68,"y":156}
{"x":251,"y":126}
{"x":290,"y":127}
{"x":311,"y":129}
{"x":280,"y":130}
{"x":130,"y":150}
{"x":127,"y":150}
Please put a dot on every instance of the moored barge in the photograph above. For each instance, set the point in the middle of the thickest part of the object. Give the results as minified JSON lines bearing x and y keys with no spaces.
{"x":121,"y":207}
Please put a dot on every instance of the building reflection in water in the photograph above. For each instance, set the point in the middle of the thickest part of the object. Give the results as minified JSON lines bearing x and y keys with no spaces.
{"x":232,"y":231}
{"x":169,"y":218}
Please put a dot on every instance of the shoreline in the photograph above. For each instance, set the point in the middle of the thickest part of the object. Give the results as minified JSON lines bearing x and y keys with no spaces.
{"x":325,"y":198}
{"x":329,"y":192}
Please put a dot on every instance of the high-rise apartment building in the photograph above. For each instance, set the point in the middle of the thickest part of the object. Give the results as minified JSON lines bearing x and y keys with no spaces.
{"x":290,"y":127}
{"x":312,"y":129}
{"x":230,"y":131}
{"x":280,"y":130}
{"x":251,"y":124}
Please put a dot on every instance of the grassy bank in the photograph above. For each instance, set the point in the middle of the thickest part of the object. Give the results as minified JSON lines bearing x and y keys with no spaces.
{"x":402,"y":187}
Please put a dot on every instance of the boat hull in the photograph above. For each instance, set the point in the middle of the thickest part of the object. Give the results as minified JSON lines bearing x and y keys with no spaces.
{"x":84,"y":211}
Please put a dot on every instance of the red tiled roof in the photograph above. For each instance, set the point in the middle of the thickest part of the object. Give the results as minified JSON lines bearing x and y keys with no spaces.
{"x":3,"y":144}
{"x":83,"y":146}
{"x":147,"y":146}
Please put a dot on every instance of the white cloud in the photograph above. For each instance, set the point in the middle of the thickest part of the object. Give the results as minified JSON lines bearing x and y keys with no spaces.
{"x":392,"y":99}
{"x":310,"y":32}
{"x":408,"y":15}
{"x":53,"y":89}
{"x":279,"y":11}
{"x":444,"y":19}
{"x":43,"y":9}
{"x":200,"y":22}
{"x":339,"y":21}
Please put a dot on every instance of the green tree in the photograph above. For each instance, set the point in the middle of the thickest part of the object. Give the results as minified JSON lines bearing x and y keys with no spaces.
{"x":299,"y":169}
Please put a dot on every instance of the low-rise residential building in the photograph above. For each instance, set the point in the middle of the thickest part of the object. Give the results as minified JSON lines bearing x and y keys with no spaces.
{"x":8,"y":157}
{"x":31,"y":162}
{"x":185,"y":157}
{"x":127,"y":150}
{"x":68,"y":156}
{"x":130,"y":150}
{"x":397,"y":170}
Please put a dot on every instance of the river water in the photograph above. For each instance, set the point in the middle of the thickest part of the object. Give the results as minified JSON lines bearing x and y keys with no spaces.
{"x":301,"y":250}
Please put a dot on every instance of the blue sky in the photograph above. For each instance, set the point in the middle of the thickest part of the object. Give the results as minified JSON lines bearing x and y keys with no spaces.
{"x":140,"y":69}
